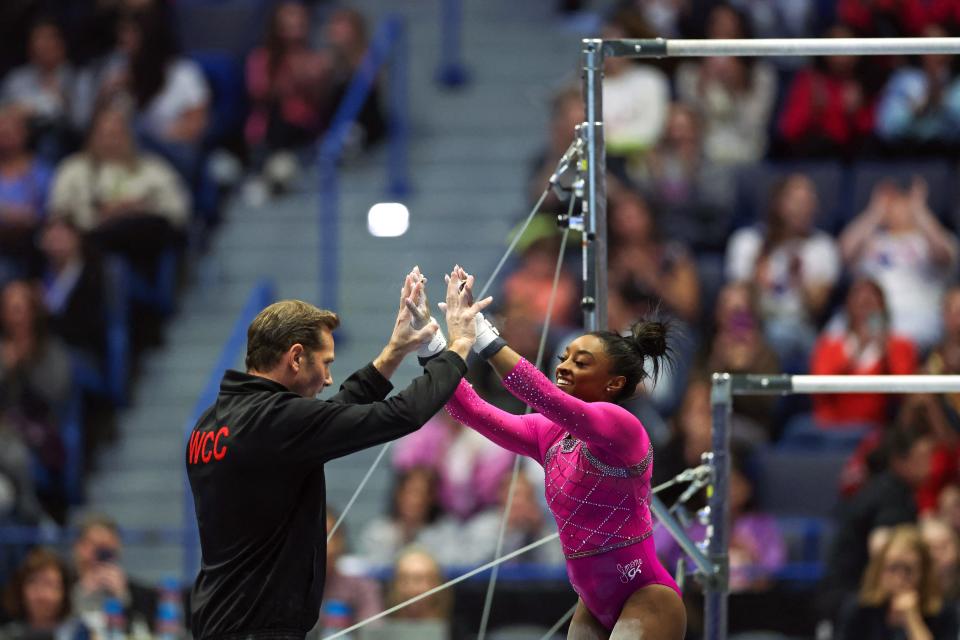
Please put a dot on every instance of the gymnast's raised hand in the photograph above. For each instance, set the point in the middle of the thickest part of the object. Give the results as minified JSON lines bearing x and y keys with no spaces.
{"x":459,"y":307}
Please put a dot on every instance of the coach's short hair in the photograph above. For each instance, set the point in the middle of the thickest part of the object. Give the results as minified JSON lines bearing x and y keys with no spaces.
{"x":282,"y":325}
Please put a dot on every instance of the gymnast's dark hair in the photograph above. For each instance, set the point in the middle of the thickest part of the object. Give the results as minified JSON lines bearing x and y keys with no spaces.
{"x":628,"y":353}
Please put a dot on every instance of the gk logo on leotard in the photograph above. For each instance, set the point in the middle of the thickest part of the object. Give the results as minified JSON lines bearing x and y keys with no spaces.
{"x":630,"y":570}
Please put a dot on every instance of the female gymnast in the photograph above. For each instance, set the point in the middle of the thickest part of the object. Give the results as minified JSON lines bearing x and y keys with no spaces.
{"x":598,"y":462}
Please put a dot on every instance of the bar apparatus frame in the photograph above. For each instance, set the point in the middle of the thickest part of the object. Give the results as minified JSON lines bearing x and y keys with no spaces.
{"x":713,"y":566}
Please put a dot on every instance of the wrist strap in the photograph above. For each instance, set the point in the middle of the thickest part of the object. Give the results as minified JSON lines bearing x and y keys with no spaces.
{"x":491,"y":349}
{"x":436,"y":346}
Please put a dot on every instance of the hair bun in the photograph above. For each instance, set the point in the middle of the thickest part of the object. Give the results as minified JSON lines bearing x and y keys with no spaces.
{"x":650,"y":338}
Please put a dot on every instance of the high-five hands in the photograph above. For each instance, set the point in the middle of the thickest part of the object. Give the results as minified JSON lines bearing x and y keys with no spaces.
{"x":487,"y":339}
{"x":460,"y":310}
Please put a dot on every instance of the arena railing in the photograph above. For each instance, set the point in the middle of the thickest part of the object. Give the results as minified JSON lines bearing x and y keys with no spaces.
{"x":450,"y":70}
{"x":387,"y":47}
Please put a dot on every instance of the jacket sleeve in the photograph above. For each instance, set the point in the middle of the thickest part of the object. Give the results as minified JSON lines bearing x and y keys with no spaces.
{"x":315,"y":431}
{"x":366,"y":385}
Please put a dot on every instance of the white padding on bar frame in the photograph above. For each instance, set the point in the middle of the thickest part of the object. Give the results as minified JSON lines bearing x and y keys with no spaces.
{"x":876,"y":384}
{"x":812,"y":47}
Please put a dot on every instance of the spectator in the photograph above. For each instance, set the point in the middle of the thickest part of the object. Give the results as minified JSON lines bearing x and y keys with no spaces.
{"x":900,"y":596}
{"x":885,"y":501}
{"x":694,"y":194}
{"x":290,"y":86}
{"x":645,"y":266}
{"x":830,"y":107}
{"x":734,"y":96}
{"x":757,"y":547}
{"x":97,"y":555}
{"x":899,"y":242}
{"x":948,"y":506}
{"x":414,"y":517}
{"x":73,"y":290}
{"x":942,"y":410}
{"x":635,"y":96}
{"x":943,"y":544}
{"x":469,"y":466}
{"x":128,"y":202}
{"x":778,"y":18}
{"x":738,"y":346}
{"x":355,"y":595}
{"x":667,"y":18}
{"x":896,"y":19}
{"x":38,"y":599}
{"x":921,"y":107}
{"x":43,"y":88}
{"x":170,"y":92}
{"x":34,"y":383}
{"x":793,"y":265}
{"x":19,"y":503}
{"x":415,"y":572}
{"x":525,"y":524}
{"x":945,"y":357}
{"x":24,"y":185}
{"x":527,"y":291}
{"x":865,"y":345}
{"x":345,"y":31}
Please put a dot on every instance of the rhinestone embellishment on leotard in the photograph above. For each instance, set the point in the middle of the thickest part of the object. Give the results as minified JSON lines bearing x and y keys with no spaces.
{"x":621,"y":472}
{"x":598,"y":507}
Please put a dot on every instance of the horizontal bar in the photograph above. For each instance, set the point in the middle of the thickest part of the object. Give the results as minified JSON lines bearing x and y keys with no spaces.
{"x":755,"y":384}
{"x":659,"y":47}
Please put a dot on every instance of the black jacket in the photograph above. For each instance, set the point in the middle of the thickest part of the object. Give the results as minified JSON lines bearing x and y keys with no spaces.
{"x":255,"y":463}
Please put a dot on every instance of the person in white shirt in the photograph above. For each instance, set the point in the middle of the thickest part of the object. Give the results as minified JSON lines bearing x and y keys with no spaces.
{"x":899,"y":242}
{"x":734,"y":96}
{"x":43,"y":89}
{"x":169,"y":92}
{"x":794,"y":266}
{"x":636,"y":98}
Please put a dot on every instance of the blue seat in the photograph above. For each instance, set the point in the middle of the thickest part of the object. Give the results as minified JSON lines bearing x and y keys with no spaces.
{"x":803,"y":433}
{"x":159,"y":293}
{"x":799,"y":482}
{"x":756,"y":183}
{"x":228,"y":106}
{"x":231,"y":26}
{"x":68,"y":481}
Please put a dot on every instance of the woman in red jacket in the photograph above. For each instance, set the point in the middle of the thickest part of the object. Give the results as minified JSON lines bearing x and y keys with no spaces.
{"x":864,"y":346}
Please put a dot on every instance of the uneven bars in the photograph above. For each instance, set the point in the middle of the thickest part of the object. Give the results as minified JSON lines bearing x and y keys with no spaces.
{"x":662,"y":48}
{"x":759,"y":384}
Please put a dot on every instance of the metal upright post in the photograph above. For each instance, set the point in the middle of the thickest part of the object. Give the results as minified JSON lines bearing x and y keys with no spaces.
{"x":594,"y":301}
{"x":716,"y":586}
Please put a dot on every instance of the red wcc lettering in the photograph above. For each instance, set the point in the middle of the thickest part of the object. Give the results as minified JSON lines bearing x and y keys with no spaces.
{"x":205,"y":446}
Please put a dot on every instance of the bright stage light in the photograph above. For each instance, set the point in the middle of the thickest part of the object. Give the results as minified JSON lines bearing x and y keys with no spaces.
{"x":388,"y":219}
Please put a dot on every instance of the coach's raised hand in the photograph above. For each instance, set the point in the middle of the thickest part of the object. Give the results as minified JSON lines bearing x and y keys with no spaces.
{"x":408,"y":335}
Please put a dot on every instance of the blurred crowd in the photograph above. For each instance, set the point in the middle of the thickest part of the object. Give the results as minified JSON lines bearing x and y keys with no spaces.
{"x":123,"y":133}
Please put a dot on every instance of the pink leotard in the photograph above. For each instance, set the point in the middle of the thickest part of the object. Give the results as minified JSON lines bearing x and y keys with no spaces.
{"x":598,"y":461}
